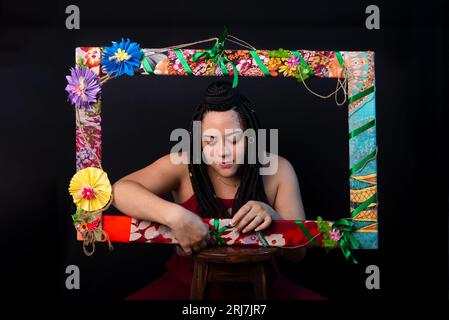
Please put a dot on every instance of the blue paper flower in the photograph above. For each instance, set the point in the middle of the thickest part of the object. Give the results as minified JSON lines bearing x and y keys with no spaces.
{"x":121,"y":58}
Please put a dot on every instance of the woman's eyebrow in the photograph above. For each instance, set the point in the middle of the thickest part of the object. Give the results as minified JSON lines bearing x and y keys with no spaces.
{"x":227,"y":134}
{"x":234,"y":132}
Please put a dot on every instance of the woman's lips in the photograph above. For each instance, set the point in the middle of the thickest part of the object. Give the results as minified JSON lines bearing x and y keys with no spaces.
{"x":225,"y":165}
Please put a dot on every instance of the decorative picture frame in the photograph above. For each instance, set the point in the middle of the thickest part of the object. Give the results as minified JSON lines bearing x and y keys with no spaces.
{"x":90,"y":187}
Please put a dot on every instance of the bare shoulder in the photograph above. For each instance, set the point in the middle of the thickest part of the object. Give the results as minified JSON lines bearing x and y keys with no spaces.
{"x":163,"y":175}
{"x":284,"y":167}
{"x":287,"y":201}
{"x":176,"y":164}
{"x":281,"y":171}
{"x":281,"y":168}
{"x":172,"y":164}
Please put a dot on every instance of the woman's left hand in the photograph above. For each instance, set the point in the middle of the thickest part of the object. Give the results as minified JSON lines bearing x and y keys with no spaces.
{"x":254,"y":215}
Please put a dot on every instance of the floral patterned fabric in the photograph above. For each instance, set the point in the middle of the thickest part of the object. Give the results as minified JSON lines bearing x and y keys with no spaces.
{"x":359,"y":70}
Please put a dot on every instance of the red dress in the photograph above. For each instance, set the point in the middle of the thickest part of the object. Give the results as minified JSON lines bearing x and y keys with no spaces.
{"x":175,"y":283}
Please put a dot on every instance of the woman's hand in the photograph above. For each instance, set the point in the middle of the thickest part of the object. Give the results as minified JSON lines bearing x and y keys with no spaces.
{"x":190,"y":231}
{"x":254,"y":215}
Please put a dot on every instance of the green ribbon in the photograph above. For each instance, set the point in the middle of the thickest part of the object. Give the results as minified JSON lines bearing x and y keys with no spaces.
{"x":364,"y":205}
{"x":260,"y":64}
{"x":183,"y":61}
{"x":147,"y":66}
{"x":362,"y":162}
{"x":217,"y":231}
{"x":347,"y":240}
{"x":262,"y":239}
{"x":360,"y":95}
{"x":361,"y":129}
{"x":307,"y":233}
{"x":216,"y":55}
{"x":339,"y":58}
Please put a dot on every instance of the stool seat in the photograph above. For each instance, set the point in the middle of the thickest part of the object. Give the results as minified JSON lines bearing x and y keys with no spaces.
{"x":231,"y":263}
{"x":235,"y":254}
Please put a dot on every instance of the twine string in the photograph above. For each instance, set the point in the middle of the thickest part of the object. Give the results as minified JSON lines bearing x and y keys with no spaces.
{"x":89,"y":236}
{"x":340,"y":85}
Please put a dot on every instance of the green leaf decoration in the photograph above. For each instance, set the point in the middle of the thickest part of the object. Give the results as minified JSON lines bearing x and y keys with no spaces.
{"x":302,"y":73}
{"x":281,"y":53}
{"x":323,"y":226}
{"x":328,"y":243}
{"x":80,"y":62}
{"x":76,"y":217}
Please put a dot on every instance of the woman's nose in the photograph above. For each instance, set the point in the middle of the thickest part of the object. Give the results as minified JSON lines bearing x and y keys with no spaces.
{"x":225,"y":150}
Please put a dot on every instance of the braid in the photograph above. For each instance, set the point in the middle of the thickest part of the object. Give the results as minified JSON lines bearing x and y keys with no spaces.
{"x":221,"y":97}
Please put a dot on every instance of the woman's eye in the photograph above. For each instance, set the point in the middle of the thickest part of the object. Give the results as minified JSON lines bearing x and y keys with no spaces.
{"x":210,"y":140}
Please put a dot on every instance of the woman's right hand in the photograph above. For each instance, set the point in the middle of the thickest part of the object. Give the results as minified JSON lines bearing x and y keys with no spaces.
{"x":189,"y":230}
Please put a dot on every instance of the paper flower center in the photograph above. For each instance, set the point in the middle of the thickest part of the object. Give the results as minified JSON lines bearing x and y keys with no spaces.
{"x":334,"y":235}
{"x":120,"y":55}
{"x":79,"y":90}
{"x":88,"y":193}
{"x":293,"y":61}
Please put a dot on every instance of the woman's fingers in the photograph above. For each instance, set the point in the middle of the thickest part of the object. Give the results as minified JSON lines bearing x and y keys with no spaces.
{"x":246,"y":219}
{"x":241,"y":213}
{"x":264,"y":224}
{"x":257,"y":220}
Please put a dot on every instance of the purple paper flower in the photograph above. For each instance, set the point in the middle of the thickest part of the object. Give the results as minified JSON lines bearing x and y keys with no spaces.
{"x":83,"y":87}
{"x":293,"y":61}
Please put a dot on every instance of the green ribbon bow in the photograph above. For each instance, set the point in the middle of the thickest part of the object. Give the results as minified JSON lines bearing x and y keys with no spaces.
{"x":347,"y":240}
{"x":217,"y":231}
{"x":216,"y":55}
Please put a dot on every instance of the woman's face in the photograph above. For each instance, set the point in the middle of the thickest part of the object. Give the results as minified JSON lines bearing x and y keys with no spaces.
{"x":223,"y":142}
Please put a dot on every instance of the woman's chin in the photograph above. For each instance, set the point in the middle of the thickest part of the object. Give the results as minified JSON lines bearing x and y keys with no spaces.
{"x":226,"y":172}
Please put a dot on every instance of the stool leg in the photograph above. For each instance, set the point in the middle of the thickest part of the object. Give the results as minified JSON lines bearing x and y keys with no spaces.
{"x":260,"y":283}
{"x":199,"y":280}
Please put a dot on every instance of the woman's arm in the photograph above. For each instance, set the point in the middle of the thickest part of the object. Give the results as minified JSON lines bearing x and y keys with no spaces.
{"x":139,"y":195}
{"x":288,"y":203}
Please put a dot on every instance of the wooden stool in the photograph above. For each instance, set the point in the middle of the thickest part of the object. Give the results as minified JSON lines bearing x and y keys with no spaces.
{"x":231,"y":263}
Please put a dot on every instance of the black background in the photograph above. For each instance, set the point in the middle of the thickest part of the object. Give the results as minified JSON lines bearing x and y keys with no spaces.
{"x":38,"y":135}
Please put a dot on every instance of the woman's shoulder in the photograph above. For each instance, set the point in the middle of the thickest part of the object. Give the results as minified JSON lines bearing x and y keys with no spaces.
{"x":177,"y":162}
{"x":276,"y":170}
{"x":275,"y":165}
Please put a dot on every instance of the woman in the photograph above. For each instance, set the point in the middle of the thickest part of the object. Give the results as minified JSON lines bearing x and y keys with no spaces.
{"x":224,"y":184}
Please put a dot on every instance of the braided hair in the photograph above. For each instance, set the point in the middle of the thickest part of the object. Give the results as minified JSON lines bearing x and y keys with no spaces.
{"x":220,"y":96}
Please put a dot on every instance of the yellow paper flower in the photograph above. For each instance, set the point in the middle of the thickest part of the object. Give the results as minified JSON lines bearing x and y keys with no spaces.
{"x":90,"y":189}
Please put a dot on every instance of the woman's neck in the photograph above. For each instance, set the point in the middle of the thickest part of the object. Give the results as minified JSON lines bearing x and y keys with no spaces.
{"x":221,"y":183}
